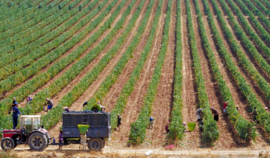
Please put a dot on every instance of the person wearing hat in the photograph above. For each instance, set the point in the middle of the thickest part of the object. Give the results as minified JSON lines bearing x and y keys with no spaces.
{"x":66,"y":109}
{"x":185,"y":125}
{"x":225,"y":108}
{"x":266,"y":108}
{"x":199,"y":114}
{"x":167,"y":127}
{"x":15,"y":117}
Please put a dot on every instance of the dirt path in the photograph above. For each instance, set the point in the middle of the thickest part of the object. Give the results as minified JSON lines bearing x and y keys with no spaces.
{"x":77,"y":105}
{"x":162,"y":106}
{"x":57,"y":60}
{"x":135,"y":100}
{"x":225,"y":138}
{"x":191,"y":140}
{"x":92,"y":64}
{"x":241,"y":102}
{"x":70,"y":51}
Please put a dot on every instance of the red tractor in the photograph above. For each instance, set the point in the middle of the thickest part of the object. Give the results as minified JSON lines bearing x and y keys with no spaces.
{"x":29,"y":133}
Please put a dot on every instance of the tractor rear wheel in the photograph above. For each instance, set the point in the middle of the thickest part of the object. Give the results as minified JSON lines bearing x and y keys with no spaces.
{"x":95,"y":144}
{"x":37,"y":141}
{"x":7,"y":143}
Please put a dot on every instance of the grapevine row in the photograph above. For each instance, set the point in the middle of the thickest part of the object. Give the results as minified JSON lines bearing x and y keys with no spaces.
{"x":176,"y":127}
{"x":11,"y":36}
{"x":42,"y":78}
{"x":84,"y":84}
{"x":138,"y":128}
{"x":29,"y":15}
{"x":47,"y":42}
{"x":112,"y":77}
{"x":210,"y":130}
{"x":261,"y":82}
{"x":34,"y":68}
{"x":245,"y":89}
{"x":37,"y":104}
{"x":244,"y":128}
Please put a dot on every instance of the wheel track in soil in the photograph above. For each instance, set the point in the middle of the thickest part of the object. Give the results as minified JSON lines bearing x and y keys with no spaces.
{"x":251,"y":59}
{"x":232,"y":85}
{"x":22,"y":104}
{"x":135,"y":100}
{"x":77,"y":105}
{"x":191,"y":140}
{"x":6,"y":94}
{"x":234,"y":57}
{"x":56,"y":98}
{"x":225,"y":137}
{"x":163,"y":103}
{"x":243,"y":104}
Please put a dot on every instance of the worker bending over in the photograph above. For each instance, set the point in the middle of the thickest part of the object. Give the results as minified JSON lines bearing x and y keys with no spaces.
{"x":151,"y":123}
{"x":215,"y":113}
{"x":199,"y":114}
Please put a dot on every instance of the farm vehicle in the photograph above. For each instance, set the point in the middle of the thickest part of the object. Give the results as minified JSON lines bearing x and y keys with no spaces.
{"x":30,"y":133}
{"x":38,"y":139}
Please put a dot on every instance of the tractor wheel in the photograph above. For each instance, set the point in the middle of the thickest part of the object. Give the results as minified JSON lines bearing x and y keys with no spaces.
{"x":7,"y":143}
{"x":37,"y":141}
{"x":48,"y":139}
{"x":95,"y":144}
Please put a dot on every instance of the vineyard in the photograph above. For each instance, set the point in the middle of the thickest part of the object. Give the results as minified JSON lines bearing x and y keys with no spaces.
{"x":142,"y":58}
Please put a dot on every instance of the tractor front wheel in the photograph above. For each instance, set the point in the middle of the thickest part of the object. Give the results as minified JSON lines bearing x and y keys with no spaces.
{"x":37,"y":141}
{"x":95,"y":144}
{"x":7,"y":143}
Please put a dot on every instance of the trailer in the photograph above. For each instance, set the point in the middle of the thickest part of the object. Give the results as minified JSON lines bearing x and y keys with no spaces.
{"x":99,"y":128}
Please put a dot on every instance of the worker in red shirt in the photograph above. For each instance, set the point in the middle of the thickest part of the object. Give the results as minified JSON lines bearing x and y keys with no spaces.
{"x":224,"y":108}
{"x":167,"y":127}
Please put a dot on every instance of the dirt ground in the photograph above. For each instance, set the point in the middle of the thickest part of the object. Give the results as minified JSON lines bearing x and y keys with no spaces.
{"x":73,"y":151}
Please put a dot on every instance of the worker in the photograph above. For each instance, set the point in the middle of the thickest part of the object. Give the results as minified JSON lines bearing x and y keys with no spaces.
{"x":118,"y":121}
{"x":50,"y":104}
{"x":199,"y":114}
{"x":102,"y":108}
{"x":60,"y":140}
{"x":255,"y":113}
{"x":66,"y":109}
{"x":151,"y":123}
{"x":266,"y":108}
{"x":215,"y":113}
{"x":99,"y":103}
{"x":167,"y":127}
{"x":11,"y":107}
{"x":85,"y":103}
{"x":83,"y":139}
{"x":28,"y":99}
{"x":15,"y":117}
{"x":225,"y":108}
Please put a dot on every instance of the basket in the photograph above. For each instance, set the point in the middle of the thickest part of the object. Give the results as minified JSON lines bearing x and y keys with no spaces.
{"x":191,"y":126}
{"x":83,"y":128}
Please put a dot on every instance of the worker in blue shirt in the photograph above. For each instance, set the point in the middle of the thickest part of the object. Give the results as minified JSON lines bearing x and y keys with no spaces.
{"x":151,"y":122}
{"x":15,"y":117}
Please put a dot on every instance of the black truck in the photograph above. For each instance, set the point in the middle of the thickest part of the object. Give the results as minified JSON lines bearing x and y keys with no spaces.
{"x":100,"y":128}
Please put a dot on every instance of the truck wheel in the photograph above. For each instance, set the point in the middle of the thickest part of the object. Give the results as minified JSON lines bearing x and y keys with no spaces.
{"x":7,"y":143}
{"x":37,"y":141}
{"x":95,"y":144}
